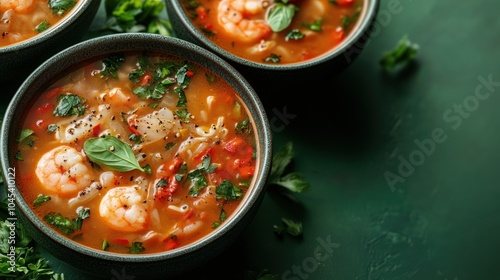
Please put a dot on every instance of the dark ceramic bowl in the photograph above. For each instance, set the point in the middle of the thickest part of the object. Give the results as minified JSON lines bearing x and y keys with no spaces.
{"x":329,"y":64}
{"x":142,"y":266}
{"x":17,"y":61}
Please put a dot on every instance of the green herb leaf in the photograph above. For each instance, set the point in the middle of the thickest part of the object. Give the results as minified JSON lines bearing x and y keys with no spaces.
{"x":244,"y":126}
{"x":42,"y":26}
{"x":70,"y":105}
{"x":273,"y":58}
{"x":404,"y":52}
{"x":111,"y":152}
{"x":111,"y":65}
{"x":25,"y":133}
{"x":293,"y":182}
{"x":295,"y":35}
{"x":280,"y":16}
{"x":136,"y":16}
{"x":227,"y":191}
{"x":105,"y":245}
{"x":281,"y":160}
{"x":136,"y":248}
{"x":60,"y":7}
{"x":292,"y":227}
{"x":41,"y":199}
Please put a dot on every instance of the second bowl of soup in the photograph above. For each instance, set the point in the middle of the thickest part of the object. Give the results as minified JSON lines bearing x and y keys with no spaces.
{"x":277,"y":39}
{"x":136,"y":152}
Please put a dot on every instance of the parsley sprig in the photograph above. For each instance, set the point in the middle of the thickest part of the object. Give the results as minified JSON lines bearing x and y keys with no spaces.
{"x":293,"y":181}
{"x":29,"y":264}
{"x":137,"y":16}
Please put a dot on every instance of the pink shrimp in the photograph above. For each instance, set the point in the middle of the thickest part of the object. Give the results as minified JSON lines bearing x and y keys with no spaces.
{"x":244,"y":19}
{"x":19,"y":6}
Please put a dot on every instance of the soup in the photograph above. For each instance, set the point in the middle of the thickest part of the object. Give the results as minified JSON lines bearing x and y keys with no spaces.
{"x":23,"y":19}
{"x":278,"y":32}
{"x":136,"y":153}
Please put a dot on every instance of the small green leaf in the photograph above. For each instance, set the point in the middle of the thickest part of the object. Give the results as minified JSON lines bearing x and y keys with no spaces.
{"x":404,"y":52}
{"x":281,"y":159}
{"x":25,"y":133}
{"x":41,"y":199}
{"x":136,"y":248}
{"x":294,"y":182}
{"x":292,"y":227}
{"x":280,"y":16}
{"x":111,"y":152}
{"x":227,"y":191}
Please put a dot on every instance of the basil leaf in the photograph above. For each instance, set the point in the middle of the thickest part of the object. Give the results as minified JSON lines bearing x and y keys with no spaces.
{"x":280,"y":16}
{"x":111,"y":152}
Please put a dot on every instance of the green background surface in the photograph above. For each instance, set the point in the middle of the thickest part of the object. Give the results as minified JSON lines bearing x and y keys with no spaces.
{"x":439,"y":219}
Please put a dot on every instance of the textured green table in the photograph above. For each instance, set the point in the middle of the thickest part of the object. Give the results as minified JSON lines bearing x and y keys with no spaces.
{"x":403,"y":167}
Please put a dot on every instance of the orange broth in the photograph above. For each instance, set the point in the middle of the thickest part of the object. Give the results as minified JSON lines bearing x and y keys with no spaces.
{"x":22,"y":20}
{"x":317,"y":27}
{"x":201,"y":163}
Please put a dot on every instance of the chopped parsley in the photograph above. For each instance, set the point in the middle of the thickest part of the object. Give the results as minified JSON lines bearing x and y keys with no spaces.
{"x":111,"y":65}
{"x":227,"y":191}
{"x":136,"y":16}
{"x":42,"y":26}
{"x":70,"y":105}
{"x":66,"y":225}
{"x":41,"y":199}
{"x":60,"y":7}
{"x":198,"y":176}
{"x":136,"y":248}
{"x":273,"y":58}
{"x":244,"y":126}
{"x":52,"y":128}
{"x":294,"y":35}
{"x":314,"y":26}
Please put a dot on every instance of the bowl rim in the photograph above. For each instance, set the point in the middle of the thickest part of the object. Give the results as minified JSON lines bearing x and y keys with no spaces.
{"x":67,"y":20}
{"x":368,"y":15}
{"x":82,"y":49}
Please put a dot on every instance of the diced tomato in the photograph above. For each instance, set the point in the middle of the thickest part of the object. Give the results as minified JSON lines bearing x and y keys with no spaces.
{"x":305,"y":54}
{"x":227,"y":98}
{"x":232,"y":145}
{"x":219,"y":176}
{"x":202,"y":13}
{"x":145,"y":79}
{"x":165,"y":192}
{"x":171,"y":243}
{"x":338,"y":35}
{"x":96,"y":130}
{"x":209,"y":27}
{"x":189,"y":73}
{"x":345,"y":3}
{"x":247,"y":171}
{"x":45,"y":108}
{"x":199,"y":157}
{"x":53,"y":92}
{"x":122,"y":241}
{"x":168,"y":169}
{"x":189,"y":214}
{"x":133,"y":124}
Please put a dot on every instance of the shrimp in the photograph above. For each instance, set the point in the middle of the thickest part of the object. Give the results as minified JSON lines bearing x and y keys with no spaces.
{"x":19,"y":6}
{"x":63,"y":171}
{"x":244,"y":19}
{"x":124,"y":209}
